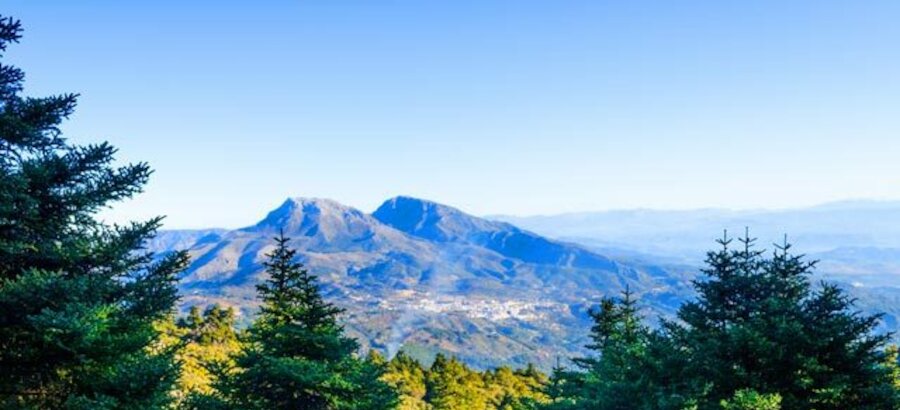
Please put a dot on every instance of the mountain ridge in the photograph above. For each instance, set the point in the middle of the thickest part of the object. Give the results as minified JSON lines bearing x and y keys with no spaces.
{"x":501,"y":237}
{"x":427,"y":277}
{"x":415,"y":272}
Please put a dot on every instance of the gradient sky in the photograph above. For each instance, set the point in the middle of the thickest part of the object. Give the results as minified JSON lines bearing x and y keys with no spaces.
{"x":512,"y":107}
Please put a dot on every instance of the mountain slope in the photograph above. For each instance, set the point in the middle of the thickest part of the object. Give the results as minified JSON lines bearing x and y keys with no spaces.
{"x":429,"y":277}
{"x":441,"y":223}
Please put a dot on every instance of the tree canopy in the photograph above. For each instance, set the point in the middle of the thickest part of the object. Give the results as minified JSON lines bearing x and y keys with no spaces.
{"x":78,"y":298}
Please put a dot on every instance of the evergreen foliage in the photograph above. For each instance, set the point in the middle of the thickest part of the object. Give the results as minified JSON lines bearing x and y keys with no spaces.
{"x":751,"y":400}
{"x":297,"y":356}
{"x":758,"y":324}
{"x":78,"y":298}
{"x":633,"y":370}
{"x":619,"y":333}
{"x":758,"y":336}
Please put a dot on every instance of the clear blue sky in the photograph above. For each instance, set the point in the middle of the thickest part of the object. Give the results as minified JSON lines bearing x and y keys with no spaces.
{"x":510,"y":107}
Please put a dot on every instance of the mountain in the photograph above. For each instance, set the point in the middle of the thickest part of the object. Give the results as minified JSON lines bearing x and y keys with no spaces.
{"x":857,"y":243}
{"x":179,"y":239}
{"x":429,"y":278}
{"x":440,"y":223}
{"x":686,"y":234}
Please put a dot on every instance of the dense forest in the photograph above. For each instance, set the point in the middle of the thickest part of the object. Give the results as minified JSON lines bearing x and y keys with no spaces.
{"x":88,"y":318}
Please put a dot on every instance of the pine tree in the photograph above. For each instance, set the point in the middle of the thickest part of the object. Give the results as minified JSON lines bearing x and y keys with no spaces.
{"x":298,"y":357}
{"x":757,"y":325}
{"x":758,"y":336}
{"x":561,"y":389}
{"x":620,"y":375}
{"x":78,"y":298}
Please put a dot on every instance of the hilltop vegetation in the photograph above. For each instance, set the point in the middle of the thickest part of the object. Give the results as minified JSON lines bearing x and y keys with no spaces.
{"x":88,"y":316}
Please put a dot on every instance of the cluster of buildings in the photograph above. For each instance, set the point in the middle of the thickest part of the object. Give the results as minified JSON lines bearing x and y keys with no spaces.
{"x":474,"y":307}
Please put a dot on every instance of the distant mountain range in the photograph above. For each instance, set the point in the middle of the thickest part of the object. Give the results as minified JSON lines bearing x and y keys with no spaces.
{"x":429,"y":278}
{"x":857,"y":243}
{"x":850,"y":237}
{"x":678,"y":233}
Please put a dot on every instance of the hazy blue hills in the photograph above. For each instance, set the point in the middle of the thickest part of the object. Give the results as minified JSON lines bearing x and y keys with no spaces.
{"x":184,"y":238}
{"x":857,"y":243}
{"x":850,"y":237}
{"x":429,"y":277}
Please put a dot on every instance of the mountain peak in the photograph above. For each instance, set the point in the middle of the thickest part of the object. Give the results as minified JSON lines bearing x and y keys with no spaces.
{"x":305,"y":216}
{"x":403,"y":201}
{"x":314,"y":202}
{"x":427,"y":219}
